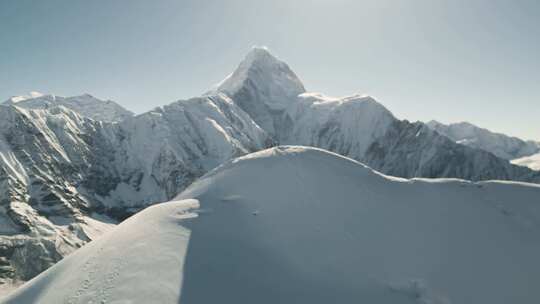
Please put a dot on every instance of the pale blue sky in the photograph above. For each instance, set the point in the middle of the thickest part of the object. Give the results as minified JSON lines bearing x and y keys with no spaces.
{"x":454,"y":60}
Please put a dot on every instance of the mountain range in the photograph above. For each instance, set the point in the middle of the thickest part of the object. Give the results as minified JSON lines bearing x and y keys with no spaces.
{"x":500,"y":145}
{"x":302,"y":225}
{"x":72,"y":167}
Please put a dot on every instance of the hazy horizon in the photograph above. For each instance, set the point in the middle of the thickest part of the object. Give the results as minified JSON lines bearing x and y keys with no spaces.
{"x":455,"y":61}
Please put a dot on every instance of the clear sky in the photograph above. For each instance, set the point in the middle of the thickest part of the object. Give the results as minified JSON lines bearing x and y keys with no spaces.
{"x":452,"y":60}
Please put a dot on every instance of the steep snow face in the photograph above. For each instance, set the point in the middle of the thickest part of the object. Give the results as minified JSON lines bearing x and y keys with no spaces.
{"x":347,"y":125}
{"x":501,"y":145}
{"x":86,"y":105}
{"x":164,"y":150}
{"x":313,"y":227}
{"x":263,"y":86}
{"x":532,"y":161}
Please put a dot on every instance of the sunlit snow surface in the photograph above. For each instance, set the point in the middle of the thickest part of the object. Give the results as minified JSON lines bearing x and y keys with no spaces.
{"x":302,"y":225}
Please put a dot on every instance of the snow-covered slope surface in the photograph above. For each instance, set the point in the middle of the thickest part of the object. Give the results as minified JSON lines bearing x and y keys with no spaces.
{"x":86,"y":105}
{"x":312,"y":227}
{"x":58,"y":169}
{"x":501,"y":145}
{"x":532,"y":161}
{"x":356,"y":126}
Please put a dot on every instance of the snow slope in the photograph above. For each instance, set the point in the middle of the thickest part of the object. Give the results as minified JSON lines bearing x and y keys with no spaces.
{"x":501,"y":145}
{"x":312,"y":227}
{"x":532,"y":161}
{"x":86,"y":105}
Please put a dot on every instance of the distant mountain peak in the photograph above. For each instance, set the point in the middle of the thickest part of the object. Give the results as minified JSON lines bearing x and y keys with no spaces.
{"x":501,"y":145}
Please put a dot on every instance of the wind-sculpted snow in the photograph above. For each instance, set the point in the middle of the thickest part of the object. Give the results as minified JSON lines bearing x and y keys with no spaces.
{"x":86,"y":105}
{"x":312,"y":227}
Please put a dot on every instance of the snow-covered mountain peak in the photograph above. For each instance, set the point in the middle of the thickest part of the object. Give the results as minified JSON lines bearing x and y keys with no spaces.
{"x":266,"y":73}
{"x":260,"y":54}
{"x":263,"y":86}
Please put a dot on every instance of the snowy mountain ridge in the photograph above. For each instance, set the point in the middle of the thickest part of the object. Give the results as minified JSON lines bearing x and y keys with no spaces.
{"x":501,"y":145}
{"x":86,"y":105}
{"x":61,"y":169}
{"x":356,"y":126}
{"x":220,"y":241}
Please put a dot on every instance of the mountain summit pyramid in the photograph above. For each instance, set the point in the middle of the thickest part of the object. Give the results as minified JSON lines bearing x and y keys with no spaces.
{"x":262,"y":85}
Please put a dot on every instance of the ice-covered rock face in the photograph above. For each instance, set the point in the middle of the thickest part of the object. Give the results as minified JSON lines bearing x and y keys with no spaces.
{"x":263,"y":86}
{"x":44,"y":215}
{"x":86,"y":105}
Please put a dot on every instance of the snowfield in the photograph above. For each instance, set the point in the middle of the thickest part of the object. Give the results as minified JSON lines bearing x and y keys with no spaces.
{"x":303,"y":225}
